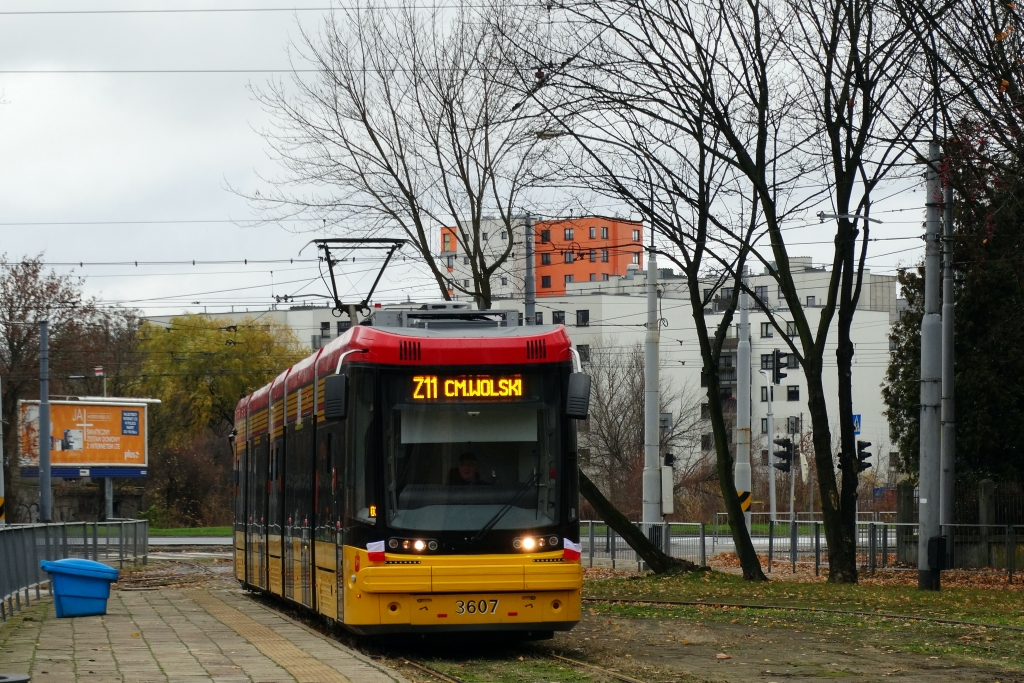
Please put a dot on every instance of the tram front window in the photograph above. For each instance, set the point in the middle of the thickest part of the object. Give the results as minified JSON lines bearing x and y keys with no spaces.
{"x":455,"y":465}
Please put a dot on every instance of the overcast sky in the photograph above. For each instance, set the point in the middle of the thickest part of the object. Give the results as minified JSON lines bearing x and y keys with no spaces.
{"x":114,"y":167}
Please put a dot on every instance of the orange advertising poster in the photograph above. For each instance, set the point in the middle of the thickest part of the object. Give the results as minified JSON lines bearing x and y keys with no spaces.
{"x":86,"y":434}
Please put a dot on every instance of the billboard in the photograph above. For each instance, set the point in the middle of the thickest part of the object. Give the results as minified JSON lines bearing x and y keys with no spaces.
{"x":107,"y":439}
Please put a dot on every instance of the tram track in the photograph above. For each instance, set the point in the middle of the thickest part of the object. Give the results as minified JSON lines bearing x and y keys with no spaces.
{"x":820,"y":610}
{"x":447,"y":678}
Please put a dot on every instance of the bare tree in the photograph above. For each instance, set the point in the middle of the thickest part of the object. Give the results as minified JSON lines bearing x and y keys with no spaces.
{"x":409,"y":125}
{"x":612,"y":438}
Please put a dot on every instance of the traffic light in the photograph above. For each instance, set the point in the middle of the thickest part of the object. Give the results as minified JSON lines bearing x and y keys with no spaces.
{"x":862,"y":456}
{"x":781,"y":361}
{"x":785,"y":455}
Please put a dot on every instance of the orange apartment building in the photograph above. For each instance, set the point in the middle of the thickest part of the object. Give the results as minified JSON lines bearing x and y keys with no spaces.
{"x":585,"y":249}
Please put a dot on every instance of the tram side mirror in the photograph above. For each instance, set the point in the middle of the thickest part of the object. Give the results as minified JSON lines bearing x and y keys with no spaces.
{"x":577,"y":404}
{"x":335,"y":397}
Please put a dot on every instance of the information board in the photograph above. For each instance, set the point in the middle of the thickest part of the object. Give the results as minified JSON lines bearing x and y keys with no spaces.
{"x":86,"y":439}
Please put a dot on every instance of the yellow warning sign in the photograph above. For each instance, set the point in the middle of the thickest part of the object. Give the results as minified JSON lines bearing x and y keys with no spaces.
{"x":744,"y":500}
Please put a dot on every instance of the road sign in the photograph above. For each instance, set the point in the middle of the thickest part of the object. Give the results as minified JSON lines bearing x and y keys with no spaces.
{"x":856,"y":424}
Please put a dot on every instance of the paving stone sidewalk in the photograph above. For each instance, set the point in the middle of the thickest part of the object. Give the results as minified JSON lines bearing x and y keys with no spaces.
{"x":209,"y":632}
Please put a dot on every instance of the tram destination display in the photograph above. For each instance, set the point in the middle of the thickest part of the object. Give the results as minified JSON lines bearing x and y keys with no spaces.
{"x":431,"y":388}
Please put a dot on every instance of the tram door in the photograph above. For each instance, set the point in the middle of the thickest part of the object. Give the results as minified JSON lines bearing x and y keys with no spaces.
{"x":256,"y":513}
{"x":240,"y":541}
{"x":298,"y":513}
{"x":326,"y":491}
{"x":275,"y":515}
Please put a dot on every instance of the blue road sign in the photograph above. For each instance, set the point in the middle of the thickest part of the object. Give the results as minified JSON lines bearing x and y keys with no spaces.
{"x":856,"y":424}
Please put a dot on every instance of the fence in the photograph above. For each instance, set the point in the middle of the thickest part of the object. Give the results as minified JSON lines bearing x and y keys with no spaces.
{"x":879,"y":545}
{"x":23,"y":547}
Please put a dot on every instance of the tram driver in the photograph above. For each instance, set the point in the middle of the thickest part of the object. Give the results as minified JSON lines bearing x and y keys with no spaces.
{"x":467,"y":473}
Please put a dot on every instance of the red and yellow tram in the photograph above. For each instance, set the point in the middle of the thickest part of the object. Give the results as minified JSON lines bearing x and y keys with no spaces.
{"x":418,"y":474}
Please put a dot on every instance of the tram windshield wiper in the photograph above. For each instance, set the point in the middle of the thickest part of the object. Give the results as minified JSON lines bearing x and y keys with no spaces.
{"x":485,"y":529}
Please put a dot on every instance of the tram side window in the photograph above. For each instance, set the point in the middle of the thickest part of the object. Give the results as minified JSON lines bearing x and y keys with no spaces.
{"x":241,"y":458}
{"x":360,"y":481}
{"x":328,"y":463}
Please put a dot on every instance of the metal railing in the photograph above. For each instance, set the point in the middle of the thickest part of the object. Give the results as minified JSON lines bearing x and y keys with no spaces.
{"x":685,"y":540}
{"x":23,"y":547}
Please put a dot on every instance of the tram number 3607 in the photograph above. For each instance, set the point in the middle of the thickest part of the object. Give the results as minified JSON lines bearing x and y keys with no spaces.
{"x":476,"y":606}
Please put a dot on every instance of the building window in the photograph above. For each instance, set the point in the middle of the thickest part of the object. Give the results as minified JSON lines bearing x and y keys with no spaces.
{"x":604,"y":276}
{"x":325,"y":330}
{"x":568,"y":233}
{"x":778,"y":292}
{"x":584,"y":351}
{"x":451,"y":261}
{"x":791,"y":329}
{"x":545,"y":259}
{"x":764,"y":425}
{"x":705,"y":411}
{"x":504,"y":281}
{"x":792,"y":361}
{"x":636,"y":235}
{"x":767,"y":361}
{"x":764,"y":457}
{"x":540,"y":317}
{"x":465,"y":283}
{"x":761,"y":293}
{"x":793,"y":427}
{"x":593,"y":277}
{"x":342,"y":326}
{"x":504,"y":235}
{"x":545,"y":236}
{"x":703,"y":378}
{"x":485,"y":237}
{"x":766,"y":330}
{"x":465,"y":260}
{"x":810,"y":302}
{"x":568,"y":257}
{"x":793,"y":393}
{"x":636,"y":258}
{"x":893,"y":345}
{"x":568,"y":279}
{"x":725,"y":361}
{"x":448,"y":242}
{"x":593,"y":233}
{"x":557,"y":317}
{"x":593,"y":255}
{"x":706,"y":442}
{"x":604,"y":233}
{"x":545,"y":282}
{"x":583,"y":318}
{"x":604,"y":256}
{"x":764,"y":394}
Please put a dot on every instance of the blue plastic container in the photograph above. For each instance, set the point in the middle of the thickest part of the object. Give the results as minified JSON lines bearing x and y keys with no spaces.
{"x":80,"y":587}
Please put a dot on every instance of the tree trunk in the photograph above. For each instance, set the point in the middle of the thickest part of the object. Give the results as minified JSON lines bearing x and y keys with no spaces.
{"x":655,"y":558}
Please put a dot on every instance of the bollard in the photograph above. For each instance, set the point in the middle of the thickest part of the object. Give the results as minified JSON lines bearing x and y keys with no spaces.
{"x":885,"y":545}
{"x":611,"y":541}
{"x":703,"y":547}
{"x":1011,"y":552}
{"x":771,"y":540}
{"x":817,"y":548}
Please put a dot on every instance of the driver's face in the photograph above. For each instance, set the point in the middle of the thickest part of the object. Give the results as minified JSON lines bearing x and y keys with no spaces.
{"x":468,"y":470}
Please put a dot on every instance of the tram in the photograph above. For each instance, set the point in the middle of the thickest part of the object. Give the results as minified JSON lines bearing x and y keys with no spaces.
{"x":418,"y":474}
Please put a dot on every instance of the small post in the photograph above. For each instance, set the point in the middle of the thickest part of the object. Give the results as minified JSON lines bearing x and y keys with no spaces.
{"x":792,"y":543}
{"x":703,"y":547}
{"x":817,"y":548}
{"x":885,"y":545}
{"x":1011,"y":552}
{"x":871,"y":547}
{"x":35,"y":561}
{"x":590,"y":537}
{"x":95,"y":541}
{"x":771,"y":541}
{"x":145,"y":542}
{"x":45,"y":490}
{"x":611,"y":540}
{"x":120,"y":544}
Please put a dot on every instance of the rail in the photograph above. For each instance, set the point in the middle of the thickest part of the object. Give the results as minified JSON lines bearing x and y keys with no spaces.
{"x":23,"y":547}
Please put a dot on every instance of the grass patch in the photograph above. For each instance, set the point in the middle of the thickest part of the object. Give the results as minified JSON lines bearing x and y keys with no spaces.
{"x":522,"y":669}
{"x":970,"y":604}
{"x":194,"y":531}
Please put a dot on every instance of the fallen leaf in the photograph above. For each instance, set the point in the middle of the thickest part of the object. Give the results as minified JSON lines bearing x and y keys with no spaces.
{"x":722,"y":655}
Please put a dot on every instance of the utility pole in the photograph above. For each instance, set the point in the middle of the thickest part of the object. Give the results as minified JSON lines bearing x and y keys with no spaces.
{"x":742,"y":475}
{"x":652,"y":407}
{"x":931,"y":376}
{"x":45,"y":492}
{"x":531,"y":282}
{"x":948,"y":475}
{"x":108,"y":482}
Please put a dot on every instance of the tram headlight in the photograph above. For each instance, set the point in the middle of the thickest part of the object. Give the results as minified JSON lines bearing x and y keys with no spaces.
{"x":529,"y":543}
{"x":553,"y":541}
{"x":419,"y":544}
{"x":431,"y":545}
{"x":393,"y":543}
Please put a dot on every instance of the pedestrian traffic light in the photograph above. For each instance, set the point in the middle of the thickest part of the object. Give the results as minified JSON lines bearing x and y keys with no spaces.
{"x":781,"y":361}
{"x":785,"y":455}
{"x":862,"y":456}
